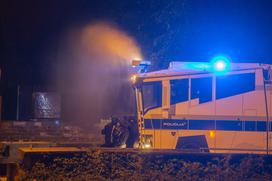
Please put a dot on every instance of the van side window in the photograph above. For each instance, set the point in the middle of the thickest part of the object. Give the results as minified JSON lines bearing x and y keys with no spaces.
{"x":179,"y":90}
{"x":231,"y":85}
{"x":201,"y":88}
{"x":152,"y":95}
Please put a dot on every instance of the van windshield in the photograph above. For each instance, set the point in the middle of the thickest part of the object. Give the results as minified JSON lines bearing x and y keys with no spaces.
{"x":152,"y":95}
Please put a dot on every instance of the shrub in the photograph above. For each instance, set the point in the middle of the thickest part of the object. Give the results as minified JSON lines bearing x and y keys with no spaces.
{"x":96,"y":165}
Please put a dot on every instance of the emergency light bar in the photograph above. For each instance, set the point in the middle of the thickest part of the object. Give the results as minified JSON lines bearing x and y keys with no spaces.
{"x":140,"y":65}
{"x":218,"y":65}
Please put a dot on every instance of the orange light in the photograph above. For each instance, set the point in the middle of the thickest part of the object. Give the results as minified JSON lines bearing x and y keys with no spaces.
{"x":135,"y":62}
{"x":133,"y":79}
{"x":212,"y":134}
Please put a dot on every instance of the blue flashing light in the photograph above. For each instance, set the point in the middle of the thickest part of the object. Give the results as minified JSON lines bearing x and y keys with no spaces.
{"x":221,"y":64}
{"x":197,"y":66}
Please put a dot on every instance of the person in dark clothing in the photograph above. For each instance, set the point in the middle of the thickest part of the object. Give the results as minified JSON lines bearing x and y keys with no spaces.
{"x":108,"y":132}
{"x":132,"y":131}
{"x":119,"y":134}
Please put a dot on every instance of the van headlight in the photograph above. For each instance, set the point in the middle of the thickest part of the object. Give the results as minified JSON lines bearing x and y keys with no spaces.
{"x":147,"y":145}
{"x":147,"y":141}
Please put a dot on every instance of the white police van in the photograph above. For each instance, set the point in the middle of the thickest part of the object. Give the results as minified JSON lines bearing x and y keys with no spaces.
{"x":215,"y":107}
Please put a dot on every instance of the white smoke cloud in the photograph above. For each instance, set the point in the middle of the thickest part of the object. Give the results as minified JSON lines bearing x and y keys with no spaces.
{"x":93,"y":74}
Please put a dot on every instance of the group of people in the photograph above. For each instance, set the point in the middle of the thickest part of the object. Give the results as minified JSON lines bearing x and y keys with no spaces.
{"x":121,"y":132}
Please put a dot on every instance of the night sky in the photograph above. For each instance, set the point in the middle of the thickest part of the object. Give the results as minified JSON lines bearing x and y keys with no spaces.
{"x":186,"y":30}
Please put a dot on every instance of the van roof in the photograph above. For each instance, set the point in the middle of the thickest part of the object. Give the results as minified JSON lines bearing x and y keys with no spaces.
{"x":191,"y":68}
